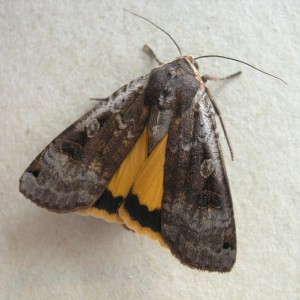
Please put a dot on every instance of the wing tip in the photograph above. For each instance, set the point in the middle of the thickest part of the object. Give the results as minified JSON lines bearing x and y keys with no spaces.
{"x":42,"y":197}
{"x":207,"y":262}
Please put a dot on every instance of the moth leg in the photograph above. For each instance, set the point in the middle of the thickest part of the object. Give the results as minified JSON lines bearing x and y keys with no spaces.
{"x":152,"y":54}
{"x":216,"y":78}
{"x":218,"y":112}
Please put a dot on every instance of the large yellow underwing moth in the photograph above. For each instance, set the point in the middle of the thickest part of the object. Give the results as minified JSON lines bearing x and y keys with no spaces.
{"x":149,"y":158}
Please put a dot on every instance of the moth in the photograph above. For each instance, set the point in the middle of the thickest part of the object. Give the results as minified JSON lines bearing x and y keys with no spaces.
{"x":150,"y":158}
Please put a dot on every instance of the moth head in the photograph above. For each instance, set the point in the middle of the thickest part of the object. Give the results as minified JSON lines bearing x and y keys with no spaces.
{"x":191,"y":60}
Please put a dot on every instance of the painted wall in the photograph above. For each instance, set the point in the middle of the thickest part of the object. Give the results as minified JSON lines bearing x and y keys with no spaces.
{"x":56,"y":55}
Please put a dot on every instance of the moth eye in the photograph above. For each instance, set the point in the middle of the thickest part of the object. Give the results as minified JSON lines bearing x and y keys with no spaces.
{"x":74,"y":150}
{"x":196,"y":65}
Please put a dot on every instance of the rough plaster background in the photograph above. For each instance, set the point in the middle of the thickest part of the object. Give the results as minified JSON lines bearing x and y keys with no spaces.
{"x":55,"y":55}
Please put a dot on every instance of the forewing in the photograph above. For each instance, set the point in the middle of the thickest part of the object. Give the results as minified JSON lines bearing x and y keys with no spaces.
{"x":76,"y":167}
{"x":197,"y":213}
{"x":107,"y":206}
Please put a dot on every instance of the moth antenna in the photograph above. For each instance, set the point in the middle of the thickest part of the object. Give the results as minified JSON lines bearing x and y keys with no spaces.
{"x":180,"y":52}
{"x":242,"y":62}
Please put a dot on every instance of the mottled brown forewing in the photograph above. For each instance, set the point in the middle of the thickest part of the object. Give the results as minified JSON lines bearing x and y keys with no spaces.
{"x":75,"y":168}
{"x":197,"y":213}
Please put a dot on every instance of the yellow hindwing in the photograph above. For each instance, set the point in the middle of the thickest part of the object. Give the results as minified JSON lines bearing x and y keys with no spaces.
{"x":144,"y":217}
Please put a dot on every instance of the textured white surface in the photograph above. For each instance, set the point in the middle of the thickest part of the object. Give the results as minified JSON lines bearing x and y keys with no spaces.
{"x":56,"y":55}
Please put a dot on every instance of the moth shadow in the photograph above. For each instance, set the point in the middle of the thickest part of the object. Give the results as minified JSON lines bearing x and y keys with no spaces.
{"x":64,"y":250}
{"x":41,"y":234}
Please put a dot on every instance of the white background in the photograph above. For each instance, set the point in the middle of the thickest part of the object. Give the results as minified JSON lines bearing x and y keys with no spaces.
{"x":55,"y":55}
